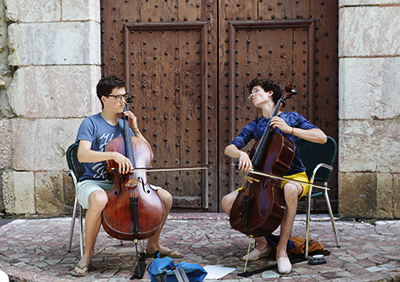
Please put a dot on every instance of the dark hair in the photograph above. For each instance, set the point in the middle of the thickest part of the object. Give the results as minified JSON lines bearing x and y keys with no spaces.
{"x":267,"y":85}
{"x":106,"y":85}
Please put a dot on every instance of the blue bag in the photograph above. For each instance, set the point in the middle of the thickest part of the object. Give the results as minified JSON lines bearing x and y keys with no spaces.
{"x":194,"y":271}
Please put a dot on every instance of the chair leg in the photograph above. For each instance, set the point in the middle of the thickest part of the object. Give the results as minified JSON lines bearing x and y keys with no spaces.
{"x":332,"y":219}
{"x":81,"y":238}
{"x":71,"y":231}
{"x":308,"y":221}
{"x":142,"y":246}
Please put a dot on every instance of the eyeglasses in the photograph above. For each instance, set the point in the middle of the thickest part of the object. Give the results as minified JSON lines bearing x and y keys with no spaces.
{"x":119,"y":97}
{"x":255,"y":90}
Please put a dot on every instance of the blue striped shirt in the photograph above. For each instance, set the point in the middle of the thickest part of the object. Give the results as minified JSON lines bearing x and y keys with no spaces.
{"x":256,"y":128}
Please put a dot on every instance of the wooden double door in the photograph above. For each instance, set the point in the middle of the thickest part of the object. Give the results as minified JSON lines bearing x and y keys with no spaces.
{"x":187,"y":64}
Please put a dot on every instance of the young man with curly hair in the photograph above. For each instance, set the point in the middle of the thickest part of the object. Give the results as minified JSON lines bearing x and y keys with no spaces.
{"x":265,"y":94}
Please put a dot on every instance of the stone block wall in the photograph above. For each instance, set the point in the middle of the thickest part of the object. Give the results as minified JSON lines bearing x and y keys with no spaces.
{"x":369,"y":127}
{"x":53,"y":53}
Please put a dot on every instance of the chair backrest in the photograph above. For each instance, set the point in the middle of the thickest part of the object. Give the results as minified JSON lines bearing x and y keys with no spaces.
{"x":313,"y":154}
{"x":72,"y":160}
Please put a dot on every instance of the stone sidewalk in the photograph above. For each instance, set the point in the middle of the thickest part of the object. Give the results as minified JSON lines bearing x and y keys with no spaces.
{"x":36,"y":250}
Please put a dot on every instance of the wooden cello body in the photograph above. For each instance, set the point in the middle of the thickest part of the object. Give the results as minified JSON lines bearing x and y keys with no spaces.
{"x":260,"y":206}
{"x":266,"y":202}
{"x":134,"y":211}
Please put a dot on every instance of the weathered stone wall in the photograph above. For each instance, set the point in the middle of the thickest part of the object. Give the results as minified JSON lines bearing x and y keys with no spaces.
{"x":6,"y":113}
{"x":52,"y":65}
{"x":369,"y":136}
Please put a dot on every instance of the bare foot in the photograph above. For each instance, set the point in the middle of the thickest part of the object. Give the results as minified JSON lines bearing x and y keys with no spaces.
{"x":256,"y":254}
{"x":164,"y":251}
{"x":284,"y":265}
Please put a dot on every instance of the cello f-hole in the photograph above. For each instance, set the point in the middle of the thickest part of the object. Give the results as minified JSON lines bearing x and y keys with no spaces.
{"x":144,"y":188}
{"x":119,"y":187}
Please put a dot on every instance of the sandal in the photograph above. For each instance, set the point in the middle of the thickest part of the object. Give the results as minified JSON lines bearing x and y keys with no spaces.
{"x":76,"y":274}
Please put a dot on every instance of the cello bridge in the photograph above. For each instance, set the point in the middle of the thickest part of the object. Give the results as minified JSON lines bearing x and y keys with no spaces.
{"x":133,"y":181}
{"x":251,"y":179}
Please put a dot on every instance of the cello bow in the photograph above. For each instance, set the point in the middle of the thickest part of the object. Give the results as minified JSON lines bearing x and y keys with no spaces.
{"x":281,"y":178}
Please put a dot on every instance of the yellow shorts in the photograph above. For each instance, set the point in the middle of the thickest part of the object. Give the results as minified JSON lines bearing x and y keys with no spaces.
{"x":302,"y":176}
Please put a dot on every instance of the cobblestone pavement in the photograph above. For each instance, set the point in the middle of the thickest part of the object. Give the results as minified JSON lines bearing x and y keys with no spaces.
{"x":36,"y":250}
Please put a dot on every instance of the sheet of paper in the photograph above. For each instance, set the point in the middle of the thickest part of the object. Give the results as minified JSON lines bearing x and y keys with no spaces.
{"x":216,"y":272}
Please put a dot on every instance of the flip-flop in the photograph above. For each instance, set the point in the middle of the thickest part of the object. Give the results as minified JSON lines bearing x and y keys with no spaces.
{"x":75,"y":274}
{"x":166,"y":254}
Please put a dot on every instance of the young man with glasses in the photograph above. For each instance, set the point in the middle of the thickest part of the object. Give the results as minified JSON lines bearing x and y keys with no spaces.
{"x":93,"y":136}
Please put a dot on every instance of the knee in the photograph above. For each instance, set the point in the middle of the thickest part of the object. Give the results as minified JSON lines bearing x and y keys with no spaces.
{"x":291,"y":192}
{"x":98,"y":199}
{"x":168,"y":198}
{"x":165,"y":197}
{"x":226,"y":204}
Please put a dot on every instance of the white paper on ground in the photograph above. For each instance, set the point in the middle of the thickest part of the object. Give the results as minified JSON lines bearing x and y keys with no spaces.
{"x":216,"y":272}
{"x":3,"y":277}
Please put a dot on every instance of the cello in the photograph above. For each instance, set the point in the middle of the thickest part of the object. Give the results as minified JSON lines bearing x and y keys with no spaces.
{"x":260,"y":206}
{"x":134,"y":211}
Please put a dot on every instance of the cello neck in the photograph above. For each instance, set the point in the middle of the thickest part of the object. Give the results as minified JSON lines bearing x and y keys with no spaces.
{"x":264,"y":139}
{"x":128,"y":141}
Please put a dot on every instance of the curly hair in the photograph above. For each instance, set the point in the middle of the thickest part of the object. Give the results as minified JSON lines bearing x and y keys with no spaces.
{"x":106,"y":85}
{"x":267,"y":85}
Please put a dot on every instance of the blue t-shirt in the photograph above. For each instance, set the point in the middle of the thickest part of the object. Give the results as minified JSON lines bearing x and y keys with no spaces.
{"x":256,"y":128}
{"x":99,"y":132}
